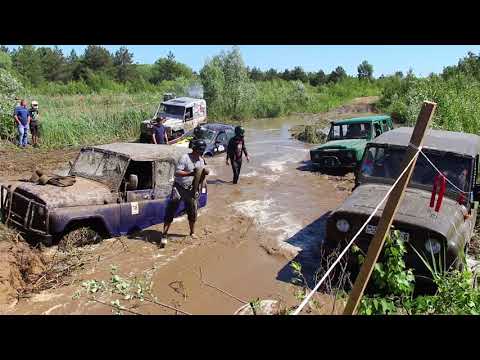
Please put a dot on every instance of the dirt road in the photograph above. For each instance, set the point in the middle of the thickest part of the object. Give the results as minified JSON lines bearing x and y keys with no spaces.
{"x":248,"y":234}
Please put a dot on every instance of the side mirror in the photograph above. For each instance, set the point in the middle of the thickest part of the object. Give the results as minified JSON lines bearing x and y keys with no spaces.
{"x":132,"y":182}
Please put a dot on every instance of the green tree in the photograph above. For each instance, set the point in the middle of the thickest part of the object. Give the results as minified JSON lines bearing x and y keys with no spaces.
{"x":365,"y":71}
{"x":10,"y":88}
{"x":256,"y":74}
{"x":271,"y":74}
{"x":169,"y":69}
{"x":298,"y":74}
{"x":226,"y":84}
{"x":337,"y":75}
{"x":318,"y":78}
{"x":5,"y":60}
{"x":123,"y":62}
{"x":97,"y":58}
{"x":54,"y":64}
{"x":27,"y":62}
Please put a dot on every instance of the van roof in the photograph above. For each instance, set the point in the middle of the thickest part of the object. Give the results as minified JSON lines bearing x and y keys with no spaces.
{"x":447,"y":141}
{"x":182,"y":101}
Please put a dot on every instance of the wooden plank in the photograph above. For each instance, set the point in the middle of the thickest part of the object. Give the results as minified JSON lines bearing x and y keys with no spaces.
{"x":391,"y":206}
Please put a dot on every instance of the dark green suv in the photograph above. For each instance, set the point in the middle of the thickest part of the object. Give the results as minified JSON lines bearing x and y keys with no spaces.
{"x":347,"y":140}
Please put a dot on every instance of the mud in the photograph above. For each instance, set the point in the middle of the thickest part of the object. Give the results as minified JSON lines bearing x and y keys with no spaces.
{"x":247,"y":236}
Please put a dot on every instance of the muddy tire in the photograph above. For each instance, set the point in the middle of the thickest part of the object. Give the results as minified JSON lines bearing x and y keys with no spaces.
{"x":77,"y":237}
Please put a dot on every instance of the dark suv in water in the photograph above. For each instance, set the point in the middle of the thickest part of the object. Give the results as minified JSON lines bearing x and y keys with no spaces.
{"x":444,"y":234}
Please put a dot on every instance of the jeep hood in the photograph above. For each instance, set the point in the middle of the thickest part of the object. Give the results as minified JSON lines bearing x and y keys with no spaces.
{"x":344,"y":144}
{"x":414,"y":208}
{"x":83,"y":192}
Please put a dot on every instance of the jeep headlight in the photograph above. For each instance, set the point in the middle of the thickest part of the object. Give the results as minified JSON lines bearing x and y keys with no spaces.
{"x":343,"y":225}
{"x":433,"y":246}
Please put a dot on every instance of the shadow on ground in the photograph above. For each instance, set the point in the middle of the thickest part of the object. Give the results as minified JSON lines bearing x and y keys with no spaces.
{"x":310,"y":240}
{"x":154,"y":236}
{"x":307,"y":165}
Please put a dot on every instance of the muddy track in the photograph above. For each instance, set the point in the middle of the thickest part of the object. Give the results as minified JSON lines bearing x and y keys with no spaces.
{"x":248,"y":234}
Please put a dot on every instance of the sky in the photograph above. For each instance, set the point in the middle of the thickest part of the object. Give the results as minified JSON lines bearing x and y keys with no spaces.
{"x":386,"y":59}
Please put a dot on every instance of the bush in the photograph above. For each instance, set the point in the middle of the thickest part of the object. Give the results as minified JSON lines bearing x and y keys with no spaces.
{"x":10,"y":88}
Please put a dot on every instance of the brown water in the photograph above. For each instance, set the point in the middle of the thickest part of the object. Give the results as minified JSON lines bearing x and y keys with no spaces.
{"x":248,"y":233}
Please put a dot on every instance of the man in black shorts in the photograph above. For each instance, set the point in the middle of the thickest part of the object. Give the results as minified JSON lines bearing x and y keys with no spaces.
{"x":183,"y":188}
{"x":34,"y":123}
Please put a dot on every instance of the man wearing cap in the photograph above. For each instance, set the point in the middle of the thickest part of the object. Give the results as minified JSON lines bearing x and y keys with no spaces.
{"x":22,"y":118}
{"x":159,"y":135}
{"x":34,"y":122}
{"x":183,"y":188}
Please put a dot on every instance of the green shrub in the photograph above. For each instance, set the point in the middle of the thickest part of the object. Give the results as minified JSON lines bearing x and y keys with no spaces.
{"x":10,"y":88}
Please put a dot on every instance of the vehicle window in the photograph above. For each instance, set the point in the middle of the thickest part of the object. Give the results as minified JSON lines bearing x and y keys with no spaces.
{"x":385,"y":126}
{"x":144,"y":171}
{"x":189,"y":114}
{"x":207,"y":135}
{"x":350,"y":131}
{"x":386,"y":163}
{"x":378,"y":130}
{"x":173,"y":110}
{"x":96,"y":165}
{"x":222,"y":137}
{"x":164,"y":178}
{"x":230,"y":134}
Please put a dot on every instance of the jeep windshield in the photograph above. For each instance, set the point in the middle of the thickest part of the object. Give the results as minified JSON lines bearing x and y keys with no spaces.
{"x":173,"y":110}
{"x":349,"y":131}
{"x":383,"y":164}
{"x":103,"y":167}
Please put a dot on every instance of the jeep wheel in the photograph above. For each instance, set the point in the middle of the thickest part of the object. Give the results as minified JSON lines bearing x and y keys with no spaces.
{"x":79,"y":237}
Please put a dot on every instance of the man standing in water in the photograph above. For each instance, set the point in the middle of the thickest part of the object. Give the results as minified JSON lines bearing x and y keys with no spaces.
{"x":183,"y":188}
{"x":235,"y":150}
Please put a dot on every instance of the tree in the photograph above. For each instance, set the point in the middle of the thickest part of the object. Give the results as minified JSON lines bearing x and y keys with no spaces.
{"x":318,"y":78}
{"x":169,"y":69}
{"x":337,"y":75}
{"x":399,"y":74}
{"x":27,"y":63}
{"x":54,"y":64}
{"x":10,"y":88}
{"x":5,"y":61}
{"x":365,"y":71}
{"x":97,"y":58}
{"x":298,"y":74}
{"x":271,"y":74}
{"x":226,"y":84}
{"x":123,"y":62}
{"x":256,"y":74}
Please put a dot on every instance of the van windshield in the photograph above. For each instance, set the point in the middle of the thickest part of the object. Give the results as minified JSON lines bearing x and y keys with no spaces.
{"x":385,"y":162}
{"x":173,"y":110}
{"x":350,"y":131}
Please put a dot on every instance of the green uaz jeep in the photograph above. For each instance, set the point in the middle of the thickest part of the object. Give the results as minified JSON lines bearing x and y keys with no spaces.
{"x":347,"y":140}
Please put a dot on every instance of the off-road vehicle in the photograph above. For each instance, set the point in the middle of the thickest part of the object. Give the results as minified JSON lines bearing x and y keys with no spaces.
{"x":119,"y":189}
{"x":444,"y":234}
{"x":182,"y":114}
{"x":346,"y":142}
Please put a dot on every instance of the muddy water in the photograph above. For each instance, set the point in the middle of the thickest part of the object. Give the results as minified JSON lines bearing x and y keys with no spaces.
{"x":248,"y":233}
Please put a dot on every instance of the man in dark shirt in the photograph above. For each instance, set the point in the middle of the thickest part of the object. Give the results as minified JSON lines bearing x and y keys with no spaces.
{"x":22,"y":118}
{"x":235,"y":150}
{"x":159,"y":135}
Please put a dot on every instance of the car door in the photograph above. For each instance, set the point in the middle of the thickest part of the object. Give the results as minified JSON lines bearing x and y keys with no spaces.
{"x":221,"y":142}
{"x":136,"y":211}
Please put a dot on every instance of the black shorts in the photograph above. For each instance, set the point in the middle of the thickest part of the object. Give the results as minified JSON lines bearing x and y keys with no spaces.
{"x":34,"y":128}
{"x":190,"y":202}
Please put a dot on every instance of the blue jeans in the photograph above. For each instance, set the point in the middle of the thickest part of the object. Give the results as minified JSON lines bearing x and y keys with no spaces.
{"x":22,"y":135}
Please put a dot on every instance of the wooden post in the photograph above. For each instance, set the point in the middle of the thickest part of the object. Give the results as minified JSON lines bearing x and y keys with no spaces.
{"x":376,"y":245}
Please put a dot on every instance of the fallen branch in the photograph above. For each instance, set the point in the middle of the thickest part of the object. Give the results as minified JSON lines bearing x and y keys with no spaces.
{"x":223,"y":291}
{"x":115,"y":307}
{"x":166,"y":305}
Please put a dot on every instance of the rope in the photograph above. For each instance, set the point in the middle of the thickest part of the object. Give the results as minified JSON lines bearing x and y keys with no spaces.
{"x":308,"y":297}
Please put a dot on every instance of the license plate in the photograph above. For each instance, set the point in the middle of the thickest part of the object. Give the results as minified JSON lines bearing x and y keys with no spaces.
{"x":370,"y":229}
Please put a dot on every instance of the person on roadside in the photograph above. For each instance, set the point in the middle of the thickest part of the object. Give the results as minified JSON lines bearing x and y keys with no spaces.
{"x":183,"y":189}
{"x":159,"y":135}
{"x":34,"y":122}
{"x":22,"y":118}
{"x":235,"y":150}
